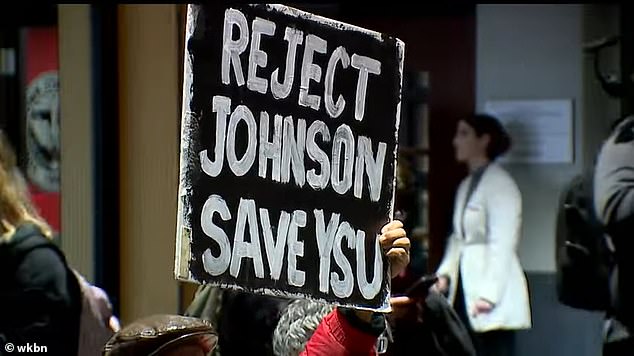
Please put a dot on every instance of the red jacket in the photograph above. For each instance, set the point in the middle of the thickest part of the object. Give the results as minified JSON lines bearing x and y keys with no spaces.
{"x":336,"y":337}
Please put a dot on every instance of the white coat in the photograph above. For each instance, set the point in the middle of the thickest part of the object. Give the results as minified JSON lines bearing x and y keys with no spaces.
{"x":486,"y":252}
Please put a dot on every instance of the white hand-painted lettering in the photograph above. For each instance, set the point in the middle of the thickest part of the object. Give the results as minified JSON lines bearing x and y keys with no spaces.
{"x":246,"y":249}
{"x":371,"y":289}
{"x":257,"y":57}
{"x":296,"y":277}
{"x":279,"y":90}
{"x":221,"y":106}
{"x":318,"y":181}
{"x":270,"y":150}
{"x":293,"y":151}
{"x":325,"y":239}
{"x":365,"y":65}
{"x":372,"y":166}
{"x":215,"y":265}
{"x":241,"y":166}
{"x":311,"y":71}
{"x":343,"y":137}
{"x":338,"y":55}
{"x":342,"y":287}
{"x":275,"y":249}
{"x":231,"y":49}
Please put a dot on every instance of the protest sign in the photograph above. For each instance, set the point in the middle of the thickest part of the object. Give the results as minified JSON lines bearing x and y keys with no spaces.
{"x":288,"y":154}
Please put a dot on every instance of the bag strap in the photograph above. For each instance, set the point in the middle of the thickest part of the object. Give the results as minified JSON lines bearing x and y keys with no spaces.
{"x":32,"y":241}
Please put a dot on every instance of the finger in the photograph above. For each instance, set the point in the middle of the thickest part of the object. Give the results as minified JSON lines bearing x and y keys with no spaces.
{"x":399,"y":258}
{"x":397,"y":251}
{"x":403,"y":243}
{"x":401,"y":301}
{"x":395,"y":233}
{"x":388,"y":238}
{"x":394,"y":224}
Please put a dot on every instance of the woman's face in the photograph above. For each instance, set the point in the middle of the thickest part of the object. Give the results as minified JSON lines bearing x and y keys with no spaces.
{"x":468,"y":144}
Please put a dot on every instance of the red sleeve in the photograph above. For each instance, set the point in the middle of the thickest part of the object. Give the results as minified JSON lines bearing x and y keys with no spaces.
{"x":336,"y":337}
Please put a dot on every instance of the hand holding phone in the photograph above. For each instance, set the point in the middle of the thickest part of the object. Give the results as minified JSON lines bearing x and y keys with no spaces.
{"x":420,"y":288}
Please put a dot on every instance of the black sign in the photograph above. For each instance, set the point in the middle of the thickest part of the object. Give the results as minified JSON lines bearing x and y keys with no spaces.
{"x":288,"y":151}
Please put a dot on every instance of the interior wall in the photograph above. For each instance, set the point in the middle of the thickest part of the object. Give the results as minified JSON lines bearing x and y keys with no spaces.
{"x":75,"y":80}
{"x":534,"y":52}
{"x":149,"y":92}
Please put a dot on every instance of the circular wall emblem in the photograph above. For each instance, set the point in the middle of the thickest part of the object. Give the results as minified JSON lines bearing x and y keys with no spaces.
{"x":42,"y":131}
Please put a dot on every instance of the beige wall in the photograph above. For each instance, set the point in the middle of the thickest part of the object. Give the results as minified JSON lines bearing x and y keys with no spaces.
{"x":149,"y":130}
{"x":76,"y":137}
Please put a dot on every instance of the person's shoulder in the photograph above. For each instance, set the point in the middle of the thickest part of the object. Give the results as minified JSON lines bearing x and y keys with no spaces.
{"x":44,"y":259}
{"x":499,"y":175}
{"x":500,"y":183}
{"x":617,"y":148}
{"x":39,"y":264}
{"x":622,"y":134}
{"x":623,"y":130}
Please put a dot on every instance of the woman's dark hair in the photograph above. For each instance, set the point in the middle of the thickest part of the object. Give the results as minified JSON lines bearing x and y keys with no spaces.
{"x":499,"y":141}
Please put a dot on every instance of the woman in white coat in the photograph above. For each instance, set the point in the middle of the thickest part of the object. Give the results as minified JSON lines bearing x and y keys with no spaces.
{"x":480,"y":271}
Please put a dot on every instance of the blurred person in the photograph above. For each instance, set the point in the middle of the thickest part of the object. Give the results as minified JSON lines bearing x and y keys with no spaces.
{"x":207,"y":305}
{"x":297,"y":324}
{"x":302,"y":317}
{"x":425,"y":323}
{"x":434,"y":330}
{"x":163,"y":335}
{"x":235,"y":313}
{"x":345,"y":331}
{"x":480,"y":271}
{"x":614,"y":206}
{"x":40,"y":300}
{"x":43,"y":301}
{"x":342,"y":332}
{"x":244,"y":313}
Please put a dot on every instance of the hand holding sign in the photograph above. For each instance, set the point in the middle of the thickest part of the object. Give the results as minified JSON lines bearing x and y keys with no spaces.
{"x":396,"y":245}
{"x":289,"y":139}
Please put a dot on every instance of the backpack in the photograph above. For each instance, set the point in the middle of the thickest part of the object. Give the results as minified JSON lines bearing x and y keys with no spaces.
{"x":583,"y":250}
{"x":432,"y":328}
{"x":94,"y":313}
{"x":449,"y":335}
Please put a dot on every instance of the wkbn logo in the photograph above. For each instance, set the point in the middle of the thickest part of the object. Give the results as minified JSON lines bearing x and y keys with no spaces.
{"x":31,"y":348}
{"x":34,"y":348}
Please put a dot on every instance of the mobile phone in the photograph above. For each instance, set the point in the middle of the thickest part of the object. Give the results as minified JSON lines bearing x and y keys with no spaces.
{"x":420,"y":288}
